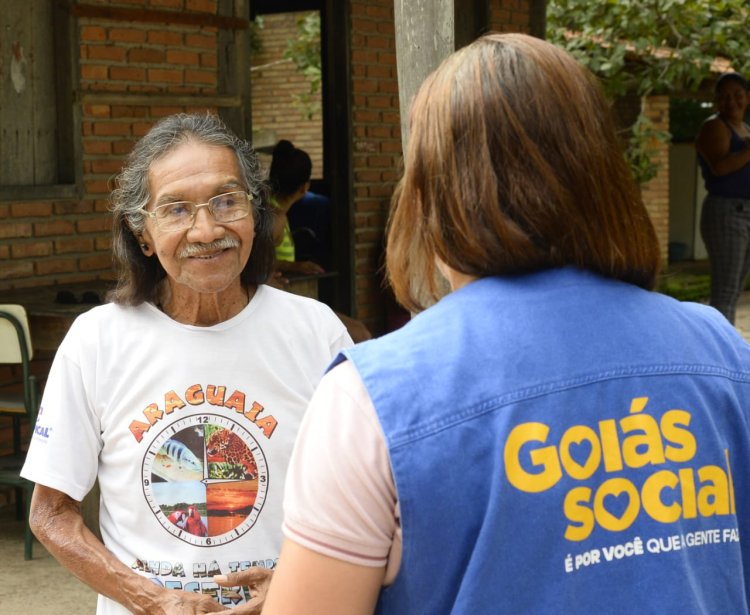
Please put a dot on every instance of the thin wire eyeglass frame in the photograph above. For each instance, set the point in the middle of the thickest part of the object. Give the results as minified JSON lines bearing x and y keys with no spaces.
{"x":163,"y":224}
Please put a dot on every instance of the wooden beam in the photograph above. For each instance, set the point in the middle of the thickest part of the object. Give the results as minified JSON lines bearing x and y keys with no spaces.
{"x":222,"y":22}
{"x":425,"y":34}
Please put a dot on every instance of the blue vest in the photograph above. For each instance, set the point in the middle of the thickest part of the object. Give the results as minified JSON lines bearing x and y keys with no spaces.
{"x":564,"y":443}
{"x":734,"y":185}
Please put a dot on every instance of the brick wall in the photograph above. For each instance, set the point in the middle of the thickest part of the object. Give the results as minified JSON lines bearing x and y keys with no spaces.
{"x":274,"y":85}
{"x":68,"y":240}
{"x":376,"y":148}
{"x":656,"y":191}
{"x":510,"y":15}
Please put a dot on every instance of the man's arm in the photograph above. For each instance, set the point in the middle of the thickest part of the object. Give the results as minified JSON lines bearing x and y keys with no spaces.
{"x":55,"y":519}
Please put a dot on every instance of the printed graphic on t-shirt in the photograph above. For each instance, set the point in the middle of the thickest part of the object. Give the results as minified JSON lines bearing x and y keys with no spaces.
{"x":205,"y":478}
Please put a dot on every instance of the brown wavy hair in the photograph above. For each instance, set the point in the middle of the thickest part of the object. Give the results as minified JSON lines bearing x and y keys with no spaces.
{"x":514,"y":166}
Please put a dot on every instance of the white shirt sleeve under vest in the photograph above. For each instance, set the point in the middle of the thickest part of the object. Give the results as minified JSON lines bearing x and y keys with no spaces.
{"x":340,"y":497}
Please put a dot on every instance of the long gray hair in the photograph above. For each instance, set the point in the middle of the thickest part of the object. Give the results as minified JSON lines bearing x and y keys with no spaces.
{"x":139,"y":275}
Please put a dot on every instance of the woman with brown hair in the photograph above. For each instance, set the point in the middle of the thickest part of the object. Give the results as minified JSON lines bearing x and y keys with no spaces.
{"x":551,"y":436}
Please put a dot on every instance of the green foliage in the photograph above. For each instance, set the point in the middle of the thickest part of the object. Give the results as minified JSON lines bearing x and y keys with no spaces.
{"x":643,"y":134}
{"x":304,"y":50}
{"x":256,"y":25}
{"x":651,"y":47}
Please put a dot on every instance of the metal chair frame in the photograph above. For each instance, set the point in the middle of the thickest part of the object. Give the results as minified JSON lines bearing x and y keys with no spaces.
{"x":10,"y":465}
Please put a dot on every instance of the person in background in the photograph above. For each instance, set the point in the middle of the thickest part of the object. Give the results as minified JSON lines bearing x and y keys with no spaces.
{"x":551,"y":436}
{"x":723,"y":146}
{"x":289,"y":177}
{"x":184,"y":395}
{"x":310,"y":222}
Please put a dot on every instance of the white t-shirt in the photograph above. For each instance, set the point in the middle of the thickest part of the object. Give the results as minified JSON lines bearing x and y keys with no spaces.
{"x":189,"y":430}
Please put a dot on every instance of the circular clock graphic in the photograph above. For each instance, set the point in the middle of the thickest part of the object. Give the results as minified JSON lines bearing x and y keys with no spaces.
{"x":205,"y":478}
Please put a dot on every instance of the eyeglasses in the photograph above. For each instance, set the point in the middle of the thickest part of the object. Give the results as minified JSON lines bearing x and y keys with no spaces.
{"x":180,"y":215}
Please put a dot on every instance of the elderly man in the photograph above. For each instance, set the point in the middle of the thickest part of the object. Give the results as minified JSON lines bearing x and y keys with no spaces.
{"x":184,"y":395}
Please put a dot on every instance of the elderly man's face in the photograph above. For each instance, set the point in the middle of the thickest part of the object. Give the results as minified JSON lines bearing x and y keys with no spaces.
{"x":196,"y":172}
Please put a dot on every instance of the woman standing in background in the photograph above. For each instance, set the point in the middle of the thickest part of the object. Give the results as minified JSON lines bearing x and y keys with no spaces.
{"x":724,"y":157}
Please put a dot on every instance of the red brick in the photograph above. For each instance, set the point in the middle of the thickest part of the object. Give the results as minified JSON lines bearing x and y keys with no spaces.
{"x":26,"y":210}
{"x":160,"y":75}
{"x":110,"y":129}
{"x":163,"y":37}
{"x":93,"y":33}
{"x":54,"y":265}
{"x":202,"y":41}
{"x":94,"y":72}
{"x":106,"y":52}
{"x":106,"y":165}
{"x":97,"y":147}
{"x":179,"y":56}
{"x":16,"y":229}
{"x":126,"y":35}
{"x":93,"y":225}
{"x":16,"y":269}
{"x":95,"y":261}
{"x":122,"y":147}
{"x":201,"y":6}
{"x":74,"y":244}
{"x":56,"y":227}
{"x":127,"y":73}
{"x":147,"y":55}
{"x":200,"y":76}
{"x":96,"y":186}
{"x":96,"y":110}
{"x":30,"y":249}
{"x":68,"y":208}
{"x":208,"y":60}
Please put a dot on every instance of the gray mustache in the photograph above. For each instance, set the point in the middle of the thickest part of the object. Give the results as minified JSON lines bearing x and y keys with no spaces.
{"x":196,"y":249}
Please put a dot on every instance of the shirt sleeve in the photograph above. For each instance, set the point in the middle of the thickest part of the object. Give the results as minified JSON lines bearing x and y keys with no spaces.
{"x":340,"y":497}
{"x":66,"y":441}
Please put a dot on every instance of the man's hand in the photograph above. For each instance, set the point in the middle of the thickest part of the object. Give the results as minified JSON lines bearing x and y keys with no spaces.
{"x":257,"y":579}
{"x":175,"y":602}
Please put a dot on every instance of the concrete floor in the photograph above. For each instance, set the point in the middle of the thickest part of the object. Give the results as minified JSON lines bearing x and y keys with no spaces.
{"x":39,"y":586}
{"x":42,"y":587}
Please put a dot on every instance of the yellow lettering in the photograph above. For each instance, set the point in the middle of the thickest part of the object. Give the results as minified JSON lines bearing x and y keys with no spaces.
{"x":682,"y":445}
{"x":236,"y":401}
{"x":215,"y":395}
{"x":649,"y":441}
{"x":575,"y":436}
{"x":138,"y":428}
{"x":194,"y":395}
{"x":651,"y":497}
{"x":580,"y":516}
{"x":544,"y":457}
{"x":616,"y":487}
{"x":267,"y":424}
{"x":254,"y":411}
{"x":152,"y":413}
{"x":172,"y":401}
{"x":610,"y":446}
{"x":687,"y":485}
{"x":713,"y":498}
